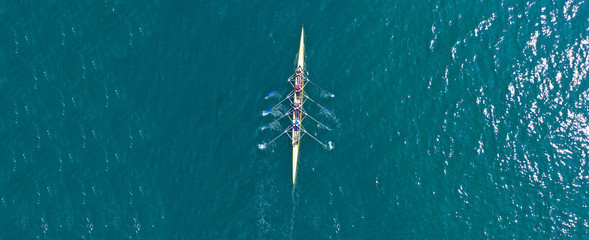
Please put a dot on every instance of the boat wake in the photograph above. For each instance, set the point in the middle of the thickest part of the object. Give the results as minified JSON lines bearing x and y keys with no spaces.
{"x":275,"y":112}
{"x":272,"y":126}
{"x":265,"y":113}
{"x":273,"y":95}
{"x":262,"y":146}
{"x":329,"y":115}
{"x":326,"y":94}
{"x":295,"y":202}
{"x":324,"y":127}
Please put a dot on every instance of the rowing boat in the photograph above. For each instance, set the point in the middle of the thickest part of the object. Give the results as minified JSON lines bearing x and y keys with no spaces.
{"x":296,"y":113}
{"x":298,"y":101}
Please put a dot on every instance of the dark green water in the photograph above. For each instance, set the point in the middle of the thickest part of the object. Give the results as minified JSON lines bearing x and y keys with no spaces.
{"x":141,"y":119}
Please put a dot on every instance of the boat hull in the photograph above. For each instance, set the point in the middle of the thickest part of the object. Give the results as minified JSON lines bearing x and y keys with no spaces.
{"x":298,"y":98}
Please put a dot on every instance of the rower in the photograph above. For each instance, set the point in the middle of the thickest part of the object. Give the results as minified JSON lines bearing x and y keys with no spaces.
{"x":296,"y":124}
{"x":298,"y":71}
{"x":297,"y":109}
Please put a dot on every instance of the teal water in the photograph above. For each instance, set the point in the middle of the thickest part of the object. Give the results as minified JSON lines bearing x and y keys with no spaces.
{"x":141,"y":120}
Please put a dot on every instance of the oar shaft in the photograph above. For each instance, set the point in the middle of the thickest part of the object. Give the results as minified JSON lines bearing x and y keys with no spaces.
{"x":286,"y":98}
{"x":285,"y":131}
{"x":278,"y":119}
{"x":316,"y":103}
{"x":305,"y":131}
{"x":320,"y":88}
{"x":315,"y":120}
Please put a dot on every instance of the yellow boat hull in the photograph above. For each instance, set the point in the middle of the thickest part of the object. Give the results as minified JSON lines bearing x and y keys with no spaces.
{"x":296,"y":134}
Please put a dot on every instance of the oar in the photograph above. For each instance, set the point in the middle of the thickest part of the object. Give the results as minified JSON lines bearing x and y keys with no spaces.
{"x":322,"y":90}
{"x":305,"y":131}
{"x":270,"y":95}
{"x":320,"y":124}
{"x":286,"y":98}
{"x":324,"y":109}
{"x":278,"y":119}
{"x":285,"y":131}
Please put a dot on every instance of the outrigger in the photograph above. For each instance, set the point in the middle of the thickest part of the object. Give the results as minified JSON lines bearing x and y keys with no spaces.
{"x":297,"y":113}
